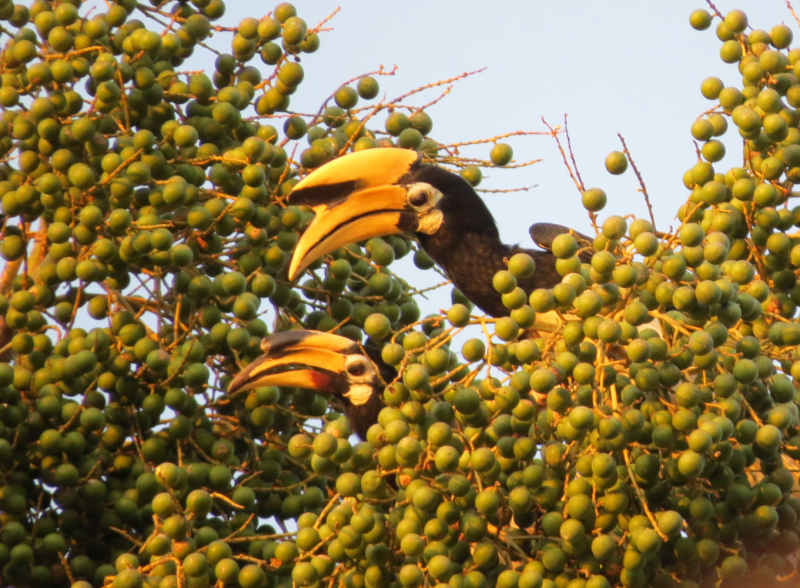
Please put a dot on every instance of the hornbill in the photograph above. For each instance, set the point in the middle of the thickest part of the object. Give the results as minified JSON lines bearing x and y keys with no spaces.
{"x":324,"y":362}
{"x":384,"y":191}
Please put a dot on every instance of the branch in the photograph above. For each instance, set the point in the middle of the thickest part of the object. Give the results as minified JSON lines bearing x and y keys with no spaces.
{"x":318,"y":28}
{"x":643,"y":189}
{"x":554,"y":133}
{"x":571,"y":155}
{"x":437,"y":84}
{"x":506,"y":191}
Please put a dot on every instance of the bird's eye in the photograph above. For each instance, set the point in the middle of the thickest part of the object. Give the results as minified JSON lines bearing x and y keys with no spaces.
{"x":357,"y":368}
{"x":417,"y":199}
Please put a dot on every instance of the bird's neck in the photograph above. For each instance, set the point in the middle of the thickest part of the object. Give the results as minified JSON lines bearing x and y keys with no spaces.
{"x":363,"y":416}
{"x":470,"y":260}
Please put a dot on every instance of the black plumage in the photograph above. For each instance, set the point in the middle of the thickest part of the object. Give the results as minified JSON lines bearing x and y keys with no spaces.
{"x":467,"y":245}
{"x":362,"y":416}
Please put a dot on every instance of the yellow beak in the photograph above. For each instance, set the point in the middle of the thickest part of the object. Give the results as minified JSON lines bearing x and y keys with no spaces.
{"x":355,"y":197}
{"x":306,"y":359}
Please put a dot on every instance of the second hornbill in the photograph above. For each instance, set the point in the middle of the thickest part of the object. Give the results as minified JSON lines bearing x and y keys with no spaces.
{"x":327,"y":363}
{"x":384,"y":191}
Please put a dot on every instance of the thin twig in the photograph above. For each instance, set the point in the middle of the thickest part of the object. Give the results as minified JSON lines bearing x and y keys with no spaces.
{"x":496,"y":138}
{"x":554,"y":133}
{"x":643,"y":189}
{"x":716,"y":11}
{"x":571,"y":154}
{"x":506,"y":191}
{"x":318,"y":28}
{"x":466,"y":74}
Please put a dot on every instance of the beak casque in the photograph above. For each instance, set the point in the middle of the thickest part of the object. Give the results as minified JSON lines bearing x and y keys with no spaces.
{"x":355,"y":197}
{"x":305,"y":359}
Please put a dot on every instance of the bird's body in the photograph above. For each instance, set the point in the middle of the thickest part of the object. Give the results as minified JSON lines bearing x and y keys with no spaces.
{"x":378,"y":192}
{"x":471,"y":261}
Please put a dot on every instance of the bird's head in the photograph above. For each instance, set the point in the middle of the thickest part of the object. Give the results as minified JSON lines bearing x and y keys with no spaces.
{"x":311,"y":359}
{"x":379,"y":192}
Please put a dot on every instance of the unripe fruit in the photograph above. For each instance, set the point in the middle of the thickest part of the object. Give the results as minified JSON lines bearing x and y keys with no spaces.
{"x":501,"y":154}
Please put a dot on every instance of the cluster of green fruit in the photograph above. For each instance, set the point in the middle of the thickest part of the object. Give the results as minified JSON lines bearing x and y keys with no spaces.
{"x":606,"y":452}
{"x":144,"y":226}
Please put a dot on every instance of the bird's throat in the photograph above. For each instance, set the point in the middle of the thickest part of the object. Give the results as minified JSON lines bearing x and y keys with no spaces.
{"x":470,"y":261}
{"x":359,"y":394}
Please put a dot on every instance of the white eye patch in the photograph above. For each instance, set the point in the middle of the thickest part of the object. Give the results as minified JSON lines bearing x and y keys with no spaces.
{"x":361,"y":373}
{"x":424,"y":198}
{"x":358,"y":368}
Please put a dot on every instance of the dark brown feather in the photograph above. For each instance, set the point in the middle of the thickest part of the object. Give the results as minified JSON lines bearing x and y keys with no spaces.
{"x":363,"y":416}
{"x":543,"y":235}
{"x":467,"y":245}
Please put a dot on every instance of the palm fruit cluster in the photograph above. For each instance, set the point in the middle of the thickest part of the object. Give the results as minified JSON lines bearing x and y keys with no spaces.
{"x":649,"y":439}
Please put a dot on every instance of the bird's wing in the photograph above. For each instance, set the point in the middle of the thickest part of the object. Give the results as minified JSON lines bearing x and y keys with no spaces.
{"x":544,"y":233}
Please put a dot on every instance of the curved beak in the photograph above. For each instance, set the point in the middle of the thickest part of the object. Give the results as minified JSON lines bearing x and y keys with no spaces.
{"x":357,"y":196}
{"x":305,"y":359}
